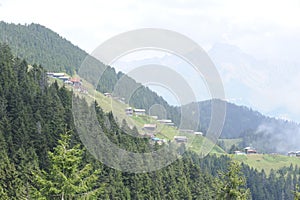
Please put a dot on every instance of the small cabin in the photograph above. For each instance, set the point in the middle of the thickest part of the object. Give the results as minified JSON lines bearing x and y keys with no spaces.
{"x":107,"y":94}
{"x":57,"y":75}
{"x":149,"y":127}
{"x":75,"y":81}
{"x":164,"y":121}
{"x":64,"y":78}
{"x":180,"y":139}
{"x":198,"y":133}
{"x":250,"y":150}
{"x":129,"y":111}
{"x":139,"y":111}
{"x":292,"y":154}
{"x":239,"y":153}
{"x":167,"y":122}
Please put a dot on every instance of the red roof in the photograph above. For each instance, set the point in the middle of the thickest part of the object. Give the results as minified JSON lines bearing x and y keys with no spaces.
{"x":75,"y":80}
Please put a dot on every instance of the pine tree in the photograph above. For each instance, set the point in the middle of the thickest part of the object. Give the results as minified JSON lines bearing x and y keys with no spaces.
{"x":232,"y":184}
{"x":67,"y":178}
{"x":297,"y":193}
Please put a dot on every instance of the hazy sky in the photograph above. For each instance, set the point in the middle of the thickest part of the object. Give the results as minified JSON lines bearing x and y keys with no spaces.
{"x":263,"y":28}
{"x":268,"y":30}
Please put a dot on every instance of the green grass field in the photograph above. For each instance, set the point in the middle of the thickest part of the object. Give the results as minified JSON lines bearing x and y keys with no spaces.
{"x":267,"y":161}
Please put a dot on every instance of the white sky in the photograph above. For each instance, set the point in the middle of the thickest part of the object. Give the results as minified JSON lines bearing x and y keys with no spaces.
{"x":274,"y":25}
{"x":266,"y":29}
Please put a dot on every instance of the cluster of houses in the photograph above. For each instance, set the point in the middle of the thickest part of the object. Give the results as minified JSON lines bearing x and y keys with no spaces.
{"x":137,"y":112}
{"x":247,"y":150}
{"x":150,"y":132}
{"x":76,"y":83}
{"x":150,"y":129}
{"x":294,"y":153}
{"x":250,"y":150}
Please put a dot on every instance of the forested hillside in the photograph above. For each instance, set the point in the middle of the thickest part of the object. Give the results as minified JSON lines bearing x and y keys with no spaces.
{"x":38,"y":44}
{"x":36,"y":127}
{"x":34,"y":120}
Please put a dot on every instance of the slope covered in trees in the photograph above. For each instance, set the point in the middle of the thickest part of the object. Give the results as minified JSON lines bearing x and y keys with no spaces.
{"x":34,"y":117}
{"x":38,"y":44}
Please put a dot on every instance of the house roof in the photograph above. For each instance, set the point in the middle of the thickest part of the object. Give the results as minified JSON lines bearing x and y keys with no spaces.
{"x":164,"y":121}
{"x":139,"y":110}
{"x":75,"y":80}
{"x":128,"y":109}
{"x":180,"y":137}
{"x":149,"y":125}
{"x":58,"y":74}
{"x":198,"y":133}
{"x":155,"y":139}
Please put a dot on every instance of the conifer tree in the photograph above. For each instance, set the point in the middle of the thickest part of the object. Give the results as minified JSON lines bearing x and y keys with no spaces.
{"x":232,"y":184}
{"x":67,"y":178}
{"x":297,"y":193}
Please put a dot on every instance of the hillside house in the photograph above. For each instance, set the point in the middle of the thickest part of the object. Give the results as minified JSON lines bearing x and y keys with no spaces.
{"x":292,"y":154}
{"x":250,"y":150}
{"x":68,"y":82}
{"x":149,"y":127}
{"x":139,"y":111}
{"x":129,"y":111}
{"x":64,"y":78}
{"x":164,"y":121}
{"x":75,"y":81}
{"x":167,"y":122}
{"x":198,"y":133}
{"x":239,"y":153}
{"x":180,"y":139}
{"x":107,"y":94}
{"x":55,"y":75}
{"x":50,"y":74}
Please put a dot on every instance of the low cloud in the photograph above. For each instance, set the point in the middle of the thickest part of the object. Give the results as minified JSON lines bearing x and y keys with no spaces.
{"x":280,"y":137}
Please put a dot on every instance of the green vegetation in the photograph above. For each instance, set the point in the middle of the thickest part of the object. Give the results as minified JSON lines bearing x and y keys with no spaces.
{"x":227,"y":143}
{"x":66,"y":178}
{"x":36,"y":159}
{"x":38,"y":44}
{"x":267,"y":162}
{"x":37,"y":162}
{"x":231,"y":184}
{"x":297,"y":193}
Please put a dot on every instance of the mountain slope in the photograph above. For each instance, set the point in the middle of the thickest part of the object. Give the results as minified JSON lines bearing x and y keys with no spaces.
{"x":38,"y":44}
{"x":267,"y":134}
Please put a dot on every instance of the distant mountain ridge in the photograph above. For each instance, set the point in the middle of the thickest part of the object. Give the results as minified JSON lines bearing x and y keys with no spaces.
{"x":267,"y":134}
